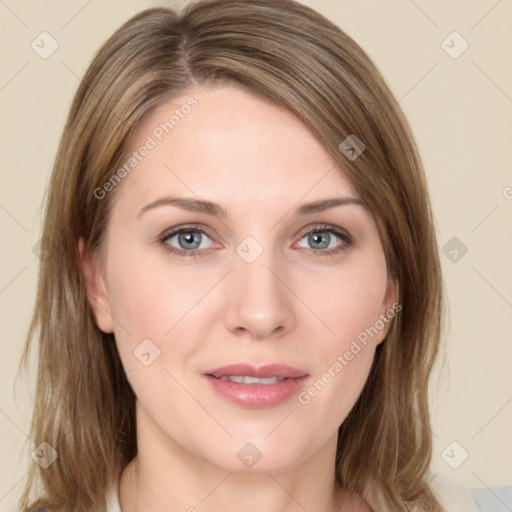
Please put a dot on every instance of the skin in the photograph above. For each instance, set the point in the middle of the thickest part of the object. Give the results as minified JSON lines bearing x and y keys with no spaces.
{"x":292,"y":305}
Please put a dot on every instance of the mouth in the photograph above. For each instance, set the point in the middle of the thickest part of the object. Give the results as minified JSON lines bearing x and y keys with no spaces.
{"x":279,"y":371}
{"x":256,"y":387}
{"x":247,"y":379}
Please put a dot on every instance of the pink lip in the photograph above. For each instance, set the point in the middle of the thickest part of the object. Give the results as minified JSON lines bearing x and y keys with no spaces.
{"x":257,"y":396}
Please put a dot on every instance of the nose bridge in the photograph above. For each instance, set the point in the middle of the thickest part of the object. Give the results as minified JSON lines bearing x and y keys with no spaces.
{"x":260,"y":302}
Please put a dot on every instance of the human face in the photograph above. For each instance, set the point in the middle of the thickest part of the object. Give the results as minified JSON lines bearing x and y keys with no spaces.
{"x":258,"y":290}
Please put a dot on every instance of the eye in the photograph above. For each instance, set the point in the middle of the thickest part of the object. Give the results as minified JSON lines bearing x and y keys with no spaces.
{"x":191,"y":241}
{"x":185,"y":241}
{"x":326,"y":240}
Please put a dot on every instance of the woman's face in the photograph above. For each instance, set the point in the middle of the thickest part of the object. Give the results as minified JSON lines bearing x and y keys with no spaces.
{"x":268,"y":281}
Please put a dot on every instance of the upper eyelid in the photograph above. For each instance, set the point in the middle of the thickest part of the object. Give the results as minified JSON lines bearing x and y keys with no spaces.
{"x":175,"y":231}
{"x":342,"y":234}
{"x":323,"y":227}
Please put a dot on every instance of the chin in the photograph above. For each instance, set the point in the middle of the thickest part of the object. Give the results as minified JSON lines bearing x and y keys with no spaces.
{"x":255,"y":456}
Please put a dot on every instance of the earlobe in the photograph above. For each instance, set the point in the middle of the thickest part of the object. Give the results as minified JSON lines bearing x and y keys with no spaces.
{"x":390,"y":307}
{"x":391,"y":293}
{"x":96,"y":290}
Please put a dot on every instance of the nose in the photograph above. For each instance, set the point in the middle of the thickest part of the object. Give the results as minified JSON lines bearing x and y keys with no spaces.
{"x":260,"y":303}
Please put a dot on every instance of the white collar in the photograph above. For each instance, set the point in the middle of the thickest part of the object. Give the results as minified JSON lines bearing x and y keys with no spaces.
{"x":113,"y":499}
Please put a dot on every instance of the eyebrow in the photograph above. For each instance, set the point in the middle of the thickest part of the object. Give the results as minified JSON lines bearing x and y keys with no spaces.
{"x":210,"y":208}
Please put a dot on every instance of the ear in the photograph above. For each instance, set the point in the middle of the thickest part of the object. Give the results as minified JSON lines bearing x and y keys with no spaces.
{"x":390,"y":308}
{"x":96,"y":288}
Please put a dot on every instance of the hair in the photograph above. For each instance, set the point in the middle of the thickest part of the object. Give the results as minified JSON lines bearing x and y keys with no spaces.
{"x":294,"y":57}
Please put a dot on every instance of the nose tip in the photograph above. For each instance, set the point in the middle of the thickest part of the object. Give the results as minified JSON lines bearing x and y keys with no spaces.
{"x":259,"y":302}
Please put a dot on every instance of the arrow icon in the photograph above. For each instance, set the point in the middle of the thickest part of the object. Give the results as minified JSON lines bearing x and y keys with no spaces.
{"x":146,"y":352}
{"x":454,"y":455}
{"x":44,"y":455}
{"x":249,"y":253}
{"x":454,"y":249}
{"x":249,"y":455}
{"x":351,"y":147}
{"x":44,"y":44}
{"x":454,"y":45}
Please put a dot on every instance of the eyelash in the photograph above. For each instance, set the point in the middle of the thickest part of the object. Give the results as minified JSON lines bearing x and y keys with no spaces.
{"x":346,"y":240}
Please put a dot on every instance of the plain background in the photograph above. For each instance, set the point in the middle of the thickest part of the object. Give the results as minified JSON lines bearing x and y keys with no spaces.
{"x":459,"y":104}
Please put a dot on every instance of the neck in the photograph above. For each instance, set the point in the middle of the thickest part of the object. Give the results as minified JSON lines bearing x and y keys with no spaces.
{"x":208,"y":491}
{"x":166,"y":476}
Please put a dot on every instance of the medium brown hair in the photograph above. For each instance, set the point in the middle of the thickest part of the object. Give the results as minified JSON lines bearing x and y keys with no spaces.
{"x":292,"y":56}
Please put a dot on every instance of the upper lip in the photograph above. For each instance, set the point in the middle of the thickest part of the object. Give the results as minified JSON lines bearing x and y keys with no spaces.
{"x":270,"y":370}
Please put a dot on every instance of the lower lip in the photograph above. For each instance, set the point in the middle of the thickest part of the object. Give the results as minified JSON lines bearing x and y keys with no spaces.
{"x":257,"y":396}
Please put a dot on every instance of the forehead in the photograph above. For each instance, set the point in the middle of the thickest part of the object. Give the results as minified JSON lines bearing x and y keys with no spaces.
{"x":225,"y":144}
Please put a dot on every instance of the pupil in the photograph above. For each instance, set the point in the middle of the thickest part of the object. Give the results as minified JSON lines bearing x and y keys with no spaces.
{"x":190,"y":237}
{"x":320,"y":238}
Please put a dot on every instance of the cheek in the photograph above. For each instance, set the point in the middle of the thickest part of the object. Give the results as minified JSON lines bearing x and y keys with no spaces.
{"x":148,"y":295}
{"x":350,"y":305}
{"x":160,"y":312}
{"x":154,"y":300}
{"x":356,"y":305}
{"x":138,"y":296}
{"x":350,"y":299}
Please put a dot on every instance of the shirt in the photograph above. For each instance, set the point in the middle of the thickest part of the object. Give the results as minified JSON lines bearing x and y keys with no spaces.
{"x":113,"y":499}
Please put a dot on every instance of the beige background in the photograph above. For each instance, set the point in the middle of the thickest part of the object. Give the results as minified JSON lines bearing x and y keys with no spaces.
{"x":460,"y":110}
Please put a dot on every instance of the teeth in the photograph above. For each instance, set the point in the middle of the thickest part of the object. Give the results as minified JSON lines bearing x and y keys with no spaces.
{"x":244,"y":379}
